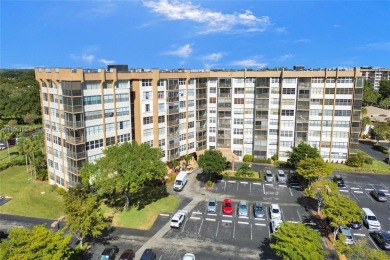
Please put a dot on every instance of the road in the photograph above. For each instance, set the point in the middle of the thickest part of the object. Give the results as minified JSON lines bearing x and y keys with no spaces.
{"x":366,"y":146}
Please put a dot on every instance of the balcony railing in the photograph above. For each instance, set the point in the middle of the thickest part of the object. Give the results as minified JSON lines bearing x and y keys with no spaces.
{"x":199,"y":96}
{"x":172,"y":99}
{"x":173,"y":87}
{"x":73,"y":169}
{"x":225,"y":94}
{"x":173,"y":111}
{"x":73,"y":109}
{"x":304,"y":96}
{"x":228,"y":105}
{"x":175,"y":133}
{"x":203,"y":106}
{"x":262,"y":95}
{"x":173,"y":156}
{"x":225,"y":136}
{"x":173,"y":145}
{"x":75,"y":140}
{"x":173,"y":122}
{"x":202,"y":117}
{"x":202,"y":85}
{"x":224,"y":125}
{"x":201,"y":138}
{"x":76,"y":155}
{"x":72,"y":124}
{"x":224,"y":116}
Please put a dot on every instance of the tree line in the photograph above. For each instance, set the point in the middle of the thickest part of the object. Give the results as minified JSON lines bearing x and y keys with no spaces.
{"x":379,"y":98}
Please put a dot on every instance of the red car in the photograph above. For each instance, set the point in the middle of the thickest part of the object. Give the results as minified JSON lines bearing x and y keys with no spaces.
{"x":227,"y":207}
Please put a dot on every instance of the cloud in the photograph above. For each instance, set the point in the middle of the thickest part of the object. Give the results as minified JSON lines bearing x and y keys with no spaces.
{"x":378,"y":46}
{"x":213,"y":56}
{"x":336,"y":26}
{"x":280,"y":30}
{"x":286,"y":57}
{"x":211,"y":21}
{"x":106,"y":62}
{"x":183,"y":51}
{"x":249,"y":63}
{"x":88,"y":58}
{"x":301,"y":41}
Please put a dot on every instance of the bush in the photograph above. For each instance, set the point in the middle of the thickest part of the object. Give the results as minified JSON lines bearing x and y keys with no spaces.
{"x":42,"y":174}
{"x":61,"y":191}
{"x":237,"y":174}
{"x":251,"y":174}
{"x":18,"y":161}
{"x":269,"y":160}
{"x":355,"y":161}
{"x":209,"y":183}
{"x":257,"y":160}
{"x":248,"y":158}
{"x":275,"y":157}
{"x":53,"y":187}
{"x":368,"y":160}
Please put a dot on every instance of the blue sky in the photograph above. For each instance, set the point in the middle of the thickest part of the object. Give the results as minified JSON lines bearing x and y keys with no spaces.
{"x":169,"y":34}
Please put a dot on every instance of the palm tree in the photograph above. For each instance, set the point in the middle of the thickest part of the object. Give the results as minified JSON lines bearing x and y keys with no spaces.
{"x":244,"y":169}
{"x":187,"y":158}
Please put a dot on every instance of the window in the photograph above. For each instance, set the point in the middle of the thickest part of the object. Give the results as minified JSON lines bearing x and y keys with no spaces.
{"x":148,"y":120}
{"x":330,"y":80}
{"x":161,"y":107}
{"x":286,"y":143}
{"x":108,"y":113}
{"x":191,"y":124}
{"x":147,"y":107}
{"x":191,"y":135}
{"x":329,"y":102}
{"x":345,"y":80}
{"x":273,"y":131}
{"x":160,"y":94}
{"x":108,"y":99}
{"x":275,"y":80}
{"x":275,"y":101}
{"x":275,"y":90}
{"x":191,"y":114}
{"x":317,"y":91}
{"x":91,"y":84}
{"x":329,"y":91}
{"x":124,"y":138}
{"x":161,"y":142}
{"x":239,"y":91}
{"x":238,"y":141}
{"x":190,"y":103}
{"x":191,"y":93}
{"x":248,"y":121}
{"x":148,"y":132}
{"x":92,"y":130}
{"x":150,"y":143}
{"x":183,"y":137}
{"x":190,"y":145}
{"x":273,"y":121}
{"x":339,"y":145}
{"x":248,"y":131}
{"x":122,"y":111}
{"x":286,"y":123}
{"x":238,"y":101}
{"x":285,"y":133}
{"x":92,"y":115}
{"x":92,"y":100}
{"x":123,"y":84}
{"x":161,"y":131}
{"x":110,"y":127}
{"x":147,"y":95}
{"x":286,"y":112}
{"x":341,"y":124}
{"x":213,"y":110}
{"x":238,"y":131}
{"x":182,"y":104}
{"x":122,"y":97}
{"x":317,"y":80}
{"x":289,"y":80}
{"x":316,"y":112}
{"x":161,"y":83}
{"x":343,"y":102}
{"x":123,"y":124}
{"x":339,"y":134}
{"x":161,"y":119}
{"x":212,"y":120}
{"x":182,"y":81}
{"x":213,"y":90}
{"x":238,"y":121}
{"x":249,"y":101}
{"x":248,"y":141}
{"x":213,"y":100}
{"x":288,"y":102}
{"x":94,"y":144}
{"x":110,"y":141}
{"x":238,"y":111}
{"x":212,"y":139}
{"x":342,"y":113}
{"x":289,"y":91}
{"x":237,"y":152}
{"x":344,"y":91}
{"x":212,"y":129}
{"x":146,"y":83}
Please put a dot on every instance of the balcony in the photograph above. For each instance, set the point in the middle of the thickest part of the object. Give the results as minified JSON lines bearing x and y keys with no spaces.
{"x":227,"y":105}
{"x":173,"y":111}
{"x":73,"y":169}
{"x":173,"y":122}
{"x":173,"y":145}
{"x":172,"y":99}
{"x":355,"y":129}
{"x":73,"y":109}
{"x":202,"y":85}
{"x":172,"y":134}
{"x":262,"y":95}
{"x":224,"y":115}
{"x":201,"y":117}
{"x":224,"y":126}
{"x":75,"y":140}
{"x":304,"y":96}
{"x":76,"y":155}
{"x":224,"y":136}
{"x":173,"y":156}
{"x":228,"y":95}
{"x":173,"y":87}
{"x":203,"y":106}
{"x":201,"y":127}
{"x":72,"y":124}
{"x":201,"y":138}
{"x":200,"y":96}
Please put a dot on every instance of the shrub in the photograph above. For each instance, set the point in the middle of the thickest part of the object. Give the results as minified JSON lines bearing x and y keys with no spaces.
{"x":60,"y":191}
{"x":368,"y":160}
{"x":355,"y":161}
{"x":248,"y":158}
{"x":237,"y":174}
{"x":209,"y":183}
{"x":42,"y":174}
{"x":269,"y":160}
{"x":53,"y":187}
{"x":275,"y":157}
{"x":256,"y":160}
{"x":250,"y":174}
{"x":18,"y":161}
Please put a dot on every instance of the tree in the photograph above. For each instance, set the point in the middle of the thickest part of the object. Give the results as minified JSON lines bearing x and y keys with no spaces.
{"x":383,"y":130}
{"x":297,"y":241}
{"x":355,"y":161}
{"x":385,"y":103}
{"x":384,"y":88}
{"x":370,"y":96}
{"x":313,"y":168}
{"x":174,"y":164}
{"x":300,"y":152}
{"x":83,"y":214}
{"x":187,"y":158}
{"x":360,"y":251}
{"x":129,"y":173}
{"x":244,"y":169}
{"x":324,"y":187}
{"x":212,"y":162}
{"x":30,"y":118}
{"x":341,"y":210}
{"x":37,"y":243}
{"x":364,"y":122}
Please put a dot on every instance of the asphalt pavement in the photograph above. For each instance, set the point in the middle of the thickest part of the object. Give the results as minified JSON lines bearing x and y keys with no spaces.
{"x":366,"y":146}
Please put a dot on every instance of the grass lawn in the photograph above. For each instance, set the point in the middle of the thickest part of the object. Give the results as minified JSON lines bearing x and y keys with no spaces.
{"x":27,"y":199}
{"x":144,"y":218}
{"x":376,"y":167}
{"x":4,"y":154}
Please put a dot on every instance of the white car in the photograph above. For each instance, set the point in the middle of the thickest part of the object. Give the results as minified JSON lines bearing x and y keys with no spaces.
{"x":274,"y":211}
{"x":281,"y":176}
{"x":275,"y":223}
{"x":188,"y":256}
{"x":177,"y":219}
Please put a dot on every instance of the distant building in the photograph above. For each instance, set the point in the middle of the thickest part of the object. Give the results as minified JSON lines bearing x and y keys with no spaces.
{"x":258,"y":112}
{"x":375,"y":75}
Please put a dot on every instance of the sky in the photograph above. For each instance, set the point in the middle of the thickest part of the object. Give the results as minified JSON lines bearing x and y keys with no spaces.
{"x":171,"y":34}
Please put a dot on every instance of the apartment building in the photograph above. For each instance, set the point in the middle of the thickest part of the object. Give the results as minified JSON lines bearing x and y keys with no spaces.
{"x":186,"y":111}
{"x":375,"y":75}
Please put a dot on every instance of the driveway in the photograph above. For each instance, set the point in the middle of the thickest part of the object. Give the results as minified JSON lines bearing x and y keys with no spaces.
{"x":366,"y":146}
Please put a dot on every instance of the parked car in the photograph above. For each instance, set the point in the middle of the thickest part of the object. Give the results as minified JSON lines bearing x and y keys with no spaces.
{"x":109,"y":253}
{"x":275,"y":223}
{"x":188,"y":256}
{"x":281,"y":176}
{"x":227,"y":207}
{"x":127,"y":255}
{"x":258,"y":210}
{"x":378,"y":195}
{"x":339,"y":180}
{"x":3,"y":235}
{"x":274,"y":211}
{"x":269,"y":177}
{"x":212,"y":206}
{"x":177,"y":220}
{"x":382,"y":239}
{"x":370,"y":220}
{"x":347,"y":233}
{"x":243,"y":208}
{"x":3,"y":146}
{"x":294,"y":182}
{"x":355,"y":225}
{"x":312,"y":224}
{"x":148,"y":254}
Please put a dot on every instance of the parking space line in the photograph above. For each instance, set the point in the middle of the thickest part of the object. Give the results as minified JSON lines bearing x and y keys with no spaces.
{"x":243,"y":182}
{"x":237,"y":187}
{"x":251,"y":231}
{"x":256,"y":183}
{"x":359,"y":235}
{"x":358,"y":191}
{"x":354,"y":188}
{"x":292,"y":221}
{"x":269,"y":233}
{"x":243,"y":217}
{"x":384,"y":190}
{"x":211,"y":214}
{"x":226,"y":221}
{"x":282,"y":185}
{"x":281,"y":213}
{"x":260,"y":224}
{"x":216,"y":233}
{"x":160,"y":257}
{"x":259,"y":218}
{"x":250,"y":188}
{"x":387,"y":194}
{"x":200,"y":226}
{"x":269,"y":184}
{"x":300,"y":219}
{"x":164,"y":215}
{"x":355,"y":196}
{"x":344,"y":190}
{"x":264,"y":190}
{"x":224,"y":187}
{"x":229,"y":216}
{"x":373,"y":242}
{"x":246,"y":223}
{"x":195,"y":218}
{"x":185,"y":222}
{"x":234,"y":229}
{"x":369,"y":189}
{"x":232,"y":181}
{"x":197,"y":212}
{"x":290,"y":192}
{"x":210,"y":219}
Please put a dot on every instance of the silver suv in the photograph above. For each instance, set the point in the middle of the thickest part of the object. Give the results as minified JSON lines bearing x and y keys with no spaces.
{"x":212,"y":206}
{"x":281,"y":176}
{"x":269,"y":177}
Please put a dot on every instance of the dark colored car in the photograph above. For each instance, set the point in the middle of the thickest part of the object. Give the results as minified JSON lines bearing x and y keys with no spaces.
{"x":227,"y":207}
{"x":148,"y":254}
{"x":339,"y":180}
{"x":294,"y":182}
{"x":378,"y":195}
{"x":3,"y":235}
{"x":382,"y":239}
{"x":258,"y":210}
{"x":127,"y":255}
{"x":312,"y":224}
{"x":355,"y":225}
{"x":109,"y":253}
